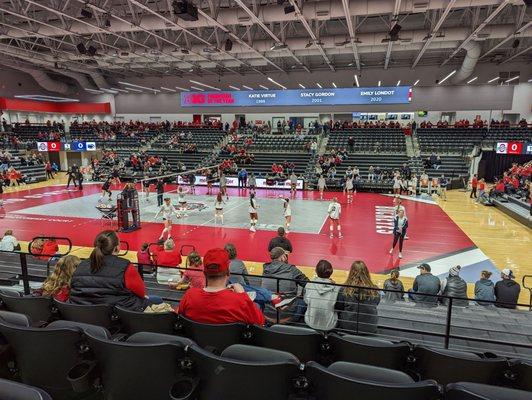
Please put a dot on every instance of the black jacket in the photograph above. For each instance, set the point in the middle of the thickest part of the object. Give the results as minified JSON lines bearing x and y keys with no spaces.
{"x":358,"y":316}
{"x":106,"y":286}
{"x":507,"y":291}
{"x":280,"y":241}
{"x":455,"y":287}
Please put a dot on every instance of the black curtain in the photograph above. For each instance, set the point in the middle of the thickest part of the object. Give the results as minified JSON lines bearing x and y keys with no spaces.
{"x":493,"y":165}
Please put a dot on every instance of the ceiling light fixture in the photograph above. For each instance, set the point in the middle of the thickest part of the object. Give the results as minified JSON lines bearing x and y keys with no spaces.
{"x":398,"y":82}
{"x":234,"y":87}
{"x":204,"y":84}
{"x":168,"y":89}
{"x":356,"y":81}
{"x":197,"y":88}
{"x":91,"y":91}
{"x":120,"y":90}
{"x":334,"y":84}
{"x":247,"y":87}
{"x":301,"y":86}
{"x":493,"y":80}
{"x":140,"y":87}
{"x":135,"y":90}
{"x":109,"y":91}
{"x":472,"y":79}
{"x":182,"y":88}
{"x":378,"y":83}
{"x":416,"y":82}
{"x":319,"y":85}
{"x":40,"y":97}
{"x":276,"y":83}
{"x":447,"y":77}
{"x":264,"y":87}
{"x":512,"y":79}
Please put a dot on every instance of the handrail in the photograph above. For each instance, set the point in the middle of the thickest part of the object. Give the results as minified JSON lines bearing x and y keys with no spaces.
{"x":49,"y":238}
{"x":529,"y":288}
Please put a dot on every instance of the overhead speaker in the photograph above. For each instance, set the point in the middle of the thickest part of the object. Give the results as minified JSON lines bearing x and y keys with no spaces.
{"x":81,"y":48}
{"x":185,"y":10}
{"x":228,"y":45}
{"x":86,"y":13}
{"x":289,"y":9}
{"x":91,"y":51}
{"x":394,"y":32}
{"x":515,"y":43}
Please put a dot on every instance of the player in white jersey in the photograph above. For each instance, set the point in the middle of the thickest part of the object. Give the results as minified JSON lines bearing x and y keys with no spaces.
{"x":253,"y":214}
{"x":321,"y":186}
{"x":287,"y":214}
{"x":398,"y":206}
{"x":181,"y":191}
{"x":349,"y":189}
{"x":334,"y":211}
{"x":168,"y":211}
{"x":146,"y":187}
{"x":293,"y":184}
{"x":219,"y":208}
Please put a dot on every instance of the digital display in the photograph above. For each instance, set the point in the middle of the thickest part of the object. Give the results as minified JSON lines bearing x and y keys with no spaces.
{"x":513,"y":148}
{"x":72,"y":146}
{"x":305,"y":97}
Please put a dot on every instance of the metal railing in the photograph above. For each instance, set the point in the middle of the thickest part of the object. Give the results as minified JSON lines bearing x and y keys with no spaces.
{"x":290,"y":316}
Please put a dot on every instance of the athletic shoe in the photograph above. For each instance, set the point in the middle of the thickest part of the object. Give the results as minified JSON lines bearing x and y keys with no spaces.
{"x":252,"y":229}
{"x":280,"y":302}
{"x":400,"y":255}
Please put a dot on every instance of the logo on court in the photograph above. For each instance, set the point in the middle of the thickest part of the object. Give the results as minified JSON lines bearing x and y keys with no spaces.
{"x":193,"y":206}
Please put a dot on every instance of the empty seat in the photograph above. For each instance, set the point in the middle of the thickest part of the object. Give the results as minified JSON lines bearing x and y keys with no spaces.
{"x":478,"y":391}
{"x":134,"y":321}
{"x":39,"y":309}
{"x":94,"y":314}
{"x":304,"y":343}
{"x":447,"y":366}
{"x":343,"y":379}
{"x":213,"y":337}
{"x":146,"y":366}
{"x":366,"y":350}
{"x":13,"y":318}
{"x":44,"y":356}
{"x":10,"y":390}
{"x":523,"y":374}
{"x":243,"y":373}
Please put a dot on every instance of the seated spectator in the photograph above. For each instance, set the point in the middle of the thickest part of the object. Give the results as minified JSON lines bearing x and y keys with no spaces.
{"x":193,"y":275}
{"x":507,"y":290}
{"x":105,"y":278}
{"x":393,"y":283}
{"x":280,"y":241}
{"x":144,"y":257}
{"x":236,"y":266}
{"x":170,"y":256}
{"x":320,"y":296}
{"x":357,"y":306}
{"x":219,"y":303}
{"x":57,"y":285}
{"x":484,"y":289}
{"x":454,"y":286}
{"x":9,"y":242}
{"x":425,"y":285}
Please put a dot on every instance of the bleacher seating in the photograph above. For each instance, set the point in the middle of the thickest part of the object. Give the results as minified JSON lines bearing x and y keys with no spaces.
{"x":452,"y":166}
{"x":378,"y":140}
{"x":449,"y":140}
{"x":30,"y":132}
{"x":190,"y":160}
{"x":515,"y":208}
{"x":280,"y":143}
{"x":495,"y":135}
{"x":204,"y":138}
{"x":121,"y":141}
{"x":263,"y":162}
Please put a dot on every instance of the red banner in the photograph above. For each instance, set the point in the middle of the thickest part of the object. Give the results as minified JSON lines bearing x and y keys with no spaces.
{"x":53,"y":107}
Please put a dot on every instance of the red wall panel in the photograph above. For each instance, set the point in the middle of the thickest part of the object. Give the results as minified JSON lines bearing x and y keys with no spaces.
{"x":53,"y":107}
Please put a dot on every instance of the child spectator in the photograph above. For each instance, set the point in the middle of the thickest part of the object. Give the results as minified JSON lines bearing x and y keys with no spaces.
{"x":484,"y":289}
{"x":193,"y":275}
{"x":57,"y":285}
{"x":144,"y":257}
{"x":320,"y":296}
{"x":393,"y":283}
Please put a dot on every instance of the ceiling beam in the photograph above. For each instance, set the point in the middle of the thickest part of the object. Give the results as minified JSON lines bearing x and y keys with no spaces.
{"x":520,"y":53}
{"x":514,"y":35}
{"x":352,"y":32}
{"x":388,"y":56}
{"x":477,"y":30}
{"x":434,"y":31}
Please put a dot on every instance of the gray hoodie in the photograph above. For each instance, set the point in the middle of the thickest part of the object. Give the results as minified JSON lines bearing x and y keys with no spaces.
{"x":320,"y":297}
{"x":484,"y":290}
{"x":279,"y":269}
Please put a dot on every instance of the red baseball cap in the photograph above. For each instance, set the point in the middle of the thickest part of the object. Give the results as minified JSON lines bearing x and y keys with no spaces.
{"x":216,"y":261}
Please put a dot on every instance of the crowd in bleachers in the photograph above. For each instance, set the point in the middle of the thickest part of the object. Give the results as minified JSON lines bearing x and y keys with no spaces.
{"x":515,"y":182}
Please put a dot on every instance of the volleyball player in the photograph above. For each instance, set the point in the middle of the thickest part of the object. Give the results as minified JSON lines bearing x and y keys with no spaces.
{"x":252,"y":182}
{"x":253,"y":214}
{"x":287,"y":214}
{"x":321,"y":186}
{"x":400,"y":223}
{"x":397,"y":207}
{"x":293,"y":184}
{"x":223,"y":185}
{"x":146,"y":187}
{"x":168,"y":211}
{"x":334,"y":211}
{"x":192,"y":182}
{"x":116,"y":176}
{"x":160,"y":192}
{"x":181,"y":191}
{"x":219,"y":208}
{"x":349,"y":189}
{"x":209,"y":177}
{"x":105,"y":189}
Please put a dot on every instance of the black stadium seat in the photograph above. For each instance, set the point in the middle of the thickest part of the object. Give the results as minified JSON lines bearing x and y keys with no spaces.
{"x":214,"y":338}
{"x":144,"y":367}
{"x":304,"y":343}
{"x":365,"y":350}
{"x":39,"y":309}
{"x":10,"y":390}
{"x":477,"y":391}
{"x":523,"y":374}
{"x":447,"y":366}
{"x":342,"y":379}
{"x":14,"y":318}
{"x":100,"y":315}
{"x":243,"y":373}
{"x":133,"y":321}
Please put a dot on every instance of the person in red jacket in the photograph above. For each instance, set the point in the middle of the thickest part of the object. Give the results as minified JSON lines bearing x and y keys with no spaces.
{"x":170,"y":257}
{"x":474,"y":184}
{"x":218,"y":302}
{"x":57,"y":285}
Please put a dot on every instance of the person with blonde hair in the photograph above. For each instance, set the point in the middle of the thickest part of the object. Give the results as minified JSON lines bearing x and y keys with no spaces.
{"x":357,"y":301}
{"x":57,"y":285}
{"x":194,"y":274}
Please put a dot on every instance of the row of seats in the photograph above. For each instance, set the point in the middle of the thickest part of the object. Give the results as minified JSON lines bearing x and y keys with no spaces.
{"x":65,"y":358}
{"x":30,"y":132}
{"x":368,"y":140}
{"x":262,"y":164}
{"x":283,"y":143}
{"x":203,"y":138}
{"x":449,"y":140}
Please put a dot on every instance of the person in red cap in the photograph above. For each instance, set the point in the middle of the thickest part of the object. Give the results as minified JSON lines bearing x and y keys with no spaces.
{"x":219,"y":303}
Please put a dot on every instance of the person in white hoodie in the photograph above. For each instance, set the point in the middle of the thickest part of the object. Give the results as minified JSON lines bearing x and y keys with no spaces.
{"x":320,"y":296}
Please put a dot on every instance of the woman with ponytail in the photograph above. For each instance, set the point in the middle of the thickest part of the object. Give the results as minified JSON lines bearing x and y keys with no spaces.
{"x":106,"y":278}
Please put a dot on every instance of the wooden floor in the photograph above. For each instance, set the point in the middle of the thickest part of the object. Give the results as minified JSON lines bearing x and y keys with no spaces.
{"x":507,"y":242}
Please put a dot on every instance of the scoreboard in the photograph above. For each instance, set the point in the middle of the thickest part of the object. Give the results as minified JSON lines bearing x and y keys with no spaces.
{"x":514,"y":147}
{"x":60,"y":146}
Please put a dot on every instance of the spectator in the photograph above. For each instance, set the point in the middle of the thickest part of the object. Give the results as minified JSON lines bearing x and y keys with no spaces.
{"x":454,"y":286}
{"x":105,"y":278}
{"x":357,"y":304}
{"x":57,"y":285}
{"x":280,"y":241}
{"x":507,"y":290}
{"x":144,"y":257}
{"x":425,"y":285}
{"x":218,"y":303}
{"x":170,"y":257}
{"x":236,"y":266}
{"x":9,"y":242}
{"x":484,"y":289}
{"x":193,"y":275}
{"x":320,"y":296}
{"x":393,"y":283}
{"x":279,"y":268}
{"x":474,"y":184}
